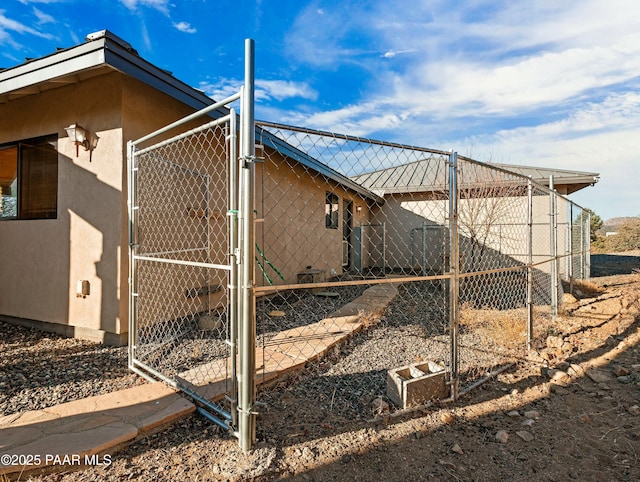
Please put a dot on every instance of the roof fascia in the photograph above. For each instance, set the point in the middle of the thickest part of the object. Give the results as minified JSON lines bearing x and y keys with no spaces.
{"x":268,"y":139}
{"x":135,"y":66}
{"x":104,"y":51}
{"x":83,"y":57}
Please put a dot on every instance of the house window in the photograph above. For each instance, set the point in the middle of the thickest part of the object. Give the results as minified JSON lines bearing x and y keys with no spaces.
{"x":29,"y":179}
{"x":331,"y":211}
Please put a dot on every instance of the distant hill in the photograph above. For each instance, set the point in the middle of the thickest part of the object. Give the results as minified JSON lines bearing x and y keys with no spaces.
{"x":611,"y":225}
{"x":614,"y":222}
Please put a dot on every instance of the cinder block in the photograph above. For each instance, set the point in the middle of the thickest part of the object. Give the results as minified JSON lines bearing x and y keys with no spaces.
{"x":416,"y":384}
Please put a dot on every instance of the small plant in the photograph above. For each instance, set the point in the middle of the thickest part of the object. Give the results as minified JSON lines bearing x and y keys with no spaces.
{"x":507,"y":328}
{"x":587,"y":289}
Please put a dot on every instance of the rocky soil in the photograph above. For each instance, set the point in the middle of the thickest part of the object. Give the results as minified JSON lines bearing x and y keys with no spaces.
{"x":568,"y":410}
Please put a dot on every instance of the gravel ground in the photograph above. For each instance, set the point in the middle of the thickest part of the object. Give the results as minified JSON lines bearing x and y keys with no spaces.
{"x":39,"y":370}
{"x":412,"y":329}
{"x":160,"y":349}
{"x":581,"y":430}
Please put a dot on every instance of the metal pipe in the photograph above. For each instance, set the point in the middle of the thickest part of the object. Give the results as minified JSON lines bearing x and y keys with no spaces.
{"x":384,"y":249}
{"x":372,"y":281}
{"x":176,"y":251}
{"x":140,"y":368}
{"x":159,"y":376}
{"x":553,"y":225}
{"x":453,"y":271}
{"x":184,"y":263}
{"x":246,"y":399}
{"x":529,"y":264}
{"x":570,"y":243}
{"x":198,"y":398}
{"x":131,"y":228}
{"x":188,"y":118}
{"x":197,"y":130}
{"x":587,"y":252}
{"x":486,"y":378}
{"x":424,"y":248}
{"x":233,"y":261}
{"x":211,"y":418}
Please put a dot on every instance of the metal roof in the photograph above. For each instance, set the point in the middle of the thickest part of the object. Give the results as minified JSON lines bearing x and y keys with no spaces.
{"x":573,"y":180}
{"x":430,"y":174}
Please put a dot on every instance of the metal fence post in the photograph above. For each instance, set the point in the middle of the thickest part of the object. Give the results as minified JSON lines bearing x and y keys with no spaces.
{"x":587,"y":252}
{"x":553,"y":220}
{"x":454,"y":265}
{"x":529,"y":263}
{"x":247,"y":332}
{"x":132,"y":269}
{"x":233,"y":262}
{"x":570,"y":270}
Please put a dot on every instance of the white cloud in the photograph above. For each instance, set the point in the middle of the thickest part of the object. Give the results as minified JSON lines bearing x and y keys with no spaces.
{"x":221,"y":89}
{"x":284,"y":89}
{"x":184,"y":27}
{"x":9,"y":25}
{"x":505,"y":59}
{"x":43,"y":17}
{"x":160,"y":5}
{"x":265,"y":90}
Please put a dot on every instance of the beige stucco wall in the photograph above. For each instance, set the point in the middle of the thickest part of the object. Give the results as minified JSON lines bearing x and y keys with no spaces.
{"x":43,"y":260}
{"x":404,"y":214}
{"x":291,"y":202}
{"x":507,"y":230}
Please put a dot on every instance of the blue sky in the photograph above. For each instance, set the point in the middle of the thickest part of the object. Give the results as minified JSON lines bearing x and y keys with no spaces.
{"x":546,"y":83}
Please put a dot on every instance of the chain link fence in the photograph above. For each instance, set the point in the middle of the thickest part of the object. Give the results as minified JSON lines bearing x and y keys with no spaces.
{"x":376,"y":256}
{"x":374,"y":264}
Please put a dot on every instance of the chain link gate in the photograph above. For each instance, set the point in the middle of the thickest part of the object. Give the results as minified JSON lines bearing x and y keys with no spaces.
{"x":427,"y":256}
{"x":190,"y":260}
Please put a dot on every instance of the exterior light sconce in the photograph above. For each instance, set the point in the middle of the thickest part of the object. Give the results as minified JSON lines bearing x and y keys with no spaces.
{"x":82,"y":137}
{"x":358,"y":208}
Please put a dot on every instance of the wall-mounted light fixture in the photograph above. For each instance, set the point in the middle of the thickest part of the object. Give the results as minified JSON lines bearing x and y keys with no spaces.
{"x":82,"y":137}
{"x":358,"y":208}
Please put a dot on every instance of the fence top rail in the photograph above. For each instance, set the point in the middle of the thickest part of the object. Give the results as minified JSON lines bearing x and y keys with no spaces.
{"x":186,"y":134}
{"x":348,"y":137}
{"x":188,"y":118}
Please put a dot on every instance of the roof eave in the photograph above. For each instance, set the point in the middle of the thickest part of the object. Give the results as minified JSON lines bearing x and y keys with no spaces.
{"x":102,"y":49}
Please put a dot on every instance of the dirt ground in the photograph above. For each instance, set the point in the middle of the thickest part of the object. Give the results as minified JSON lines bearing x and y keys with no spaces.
{"x":570,"y":410}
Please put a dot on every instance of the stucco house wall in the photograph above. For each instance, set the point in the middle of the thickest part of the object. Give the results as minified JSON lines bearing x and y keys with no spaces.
{"x":293,"y":234}
{"x":43,"y":260}
{"x":506,"y":238}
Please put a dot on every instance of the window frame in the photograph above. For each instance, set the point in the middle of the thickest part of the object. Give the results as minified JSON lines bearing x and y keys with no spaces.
{"x":331,"y":210}
{"x":36,"y":178}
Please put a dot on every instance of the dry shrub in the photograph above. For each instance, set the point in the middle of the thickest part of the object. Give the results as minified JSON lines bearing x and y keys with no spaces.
{"x":506,"y":328}
{"x":368,"y":318}
{"x":587,"y":289}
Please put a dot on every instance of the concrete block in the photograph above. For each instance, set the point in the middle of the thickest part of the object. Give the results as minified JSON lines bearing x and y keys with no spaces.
{"x":416,"y":384}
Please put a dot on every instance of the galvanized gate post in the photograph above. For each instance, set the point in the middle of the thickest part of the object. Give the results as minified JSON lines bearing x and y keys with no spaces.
{"x":587,"y":252}
{"x":529,"y":263}
{"x":247,"y":331}
{"x":233,"y":262}
{"x":553,"y":221}
{"x":454,"y":272}
{"x":131,"y":203}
